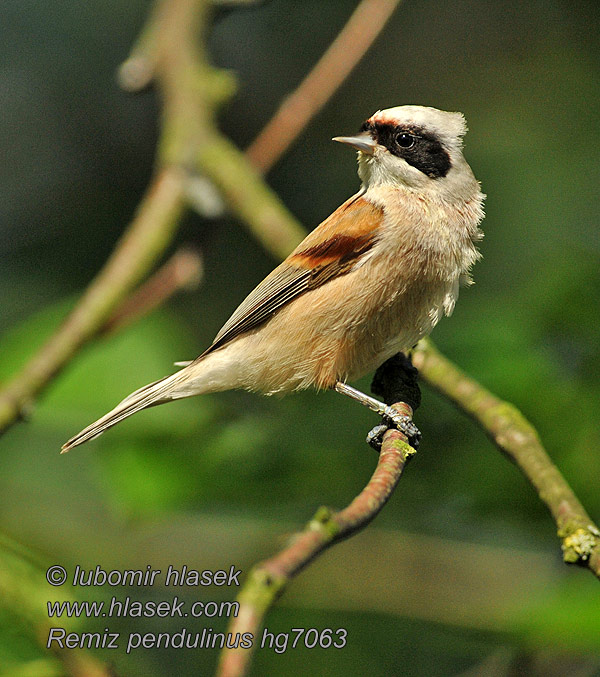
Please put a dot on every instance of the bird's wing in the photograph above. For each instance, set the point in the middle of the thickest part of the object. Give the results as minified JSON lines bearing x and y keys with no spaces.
{"x":330,"y":250}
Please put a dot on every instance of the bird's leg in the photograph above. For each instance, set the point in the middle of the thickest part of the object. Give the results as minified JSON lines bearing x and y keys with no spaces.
{"x":389,"y":415}
{"x":396,"y":380}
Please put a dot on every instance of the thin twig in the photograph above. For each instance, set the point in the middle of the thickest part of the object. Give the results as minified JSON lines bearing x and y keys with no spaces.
{"x":182,"y":271}
{"x":518,"y":439}
{"x":295,"y":111}
{"x":139,"y":68}
{"x":267,"y":580}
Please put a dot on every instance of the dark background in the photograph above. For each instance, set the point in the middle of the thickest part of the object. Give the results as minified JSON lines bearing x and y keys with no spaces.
{"x":461,"y":573}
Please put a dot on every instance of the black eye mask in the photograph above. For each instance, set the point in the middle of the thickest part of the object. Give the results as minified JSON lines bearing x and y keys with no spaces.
{"x":417,"y":147}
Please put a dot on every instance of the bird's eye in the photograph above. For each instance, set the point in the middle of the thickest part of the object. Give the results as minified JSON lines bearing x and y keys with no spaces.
{"x":405,"y":140}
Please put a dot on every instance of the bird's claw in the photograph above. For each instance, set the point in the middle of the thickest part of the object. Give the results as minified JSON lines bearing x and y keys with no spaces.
{"x":393,"y":419}
{"x":402,"y":422}
{"x":375,"y":436}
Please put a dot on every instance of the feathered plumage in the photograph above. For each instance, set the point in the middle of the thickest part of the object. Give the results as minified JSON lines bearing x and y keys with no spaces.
{"x":371,"y":280}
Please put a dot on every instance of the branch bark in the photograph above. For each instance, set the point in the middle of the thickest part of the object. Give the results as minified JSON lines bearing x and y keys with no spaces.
{"x":268,"y":580}
{"x":518,"y":439}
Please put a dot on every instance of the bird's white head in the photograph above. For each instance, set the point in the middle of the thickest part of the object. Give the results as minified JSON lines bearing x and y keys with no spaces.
{"x":416,"y":147}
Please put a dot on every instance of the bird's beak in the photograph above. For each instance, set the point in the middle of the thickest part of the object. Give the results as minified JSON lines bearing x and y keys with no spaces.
{"x":363,"y":141}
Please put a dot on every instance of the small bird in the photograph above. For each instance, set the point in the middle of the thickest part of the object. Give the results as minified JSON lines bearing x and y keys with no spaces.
{"x":368,"y":282}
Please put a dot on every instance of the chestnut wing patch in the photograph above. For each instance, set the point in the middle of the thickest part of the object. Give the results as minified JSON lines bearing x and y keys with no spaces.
{"x":334,"y":257}
{"x":324,"y":254}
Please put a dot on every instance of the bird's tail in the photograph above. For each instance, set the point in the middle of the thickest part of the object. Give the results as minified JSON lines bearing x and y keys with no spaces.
{"x":158,"y":392}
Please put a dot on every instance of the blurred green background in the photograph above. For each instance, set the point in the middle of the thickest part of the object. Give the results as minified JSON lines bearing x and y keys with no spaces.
{"x":461,"y":573}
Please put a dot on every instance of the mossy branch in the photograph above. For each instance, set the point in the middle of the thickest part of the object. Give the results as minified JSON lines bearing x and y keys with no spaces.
{"x":144,"y":241}
{"x":518,"y":439}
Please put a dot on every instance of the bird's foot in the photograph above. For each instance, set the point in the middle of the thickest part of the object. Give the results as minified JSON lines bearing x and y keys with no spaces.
{"x":392,"y":419}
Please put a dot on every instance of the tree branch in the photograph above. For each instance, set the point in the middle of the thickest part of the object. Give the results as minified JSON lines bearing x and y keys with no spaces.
{"x":182,"y":271}
{"x":267,"y":580}
{"x":146,"y":238}
{"x":518,"y":439}
{"x":295,"y":111}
